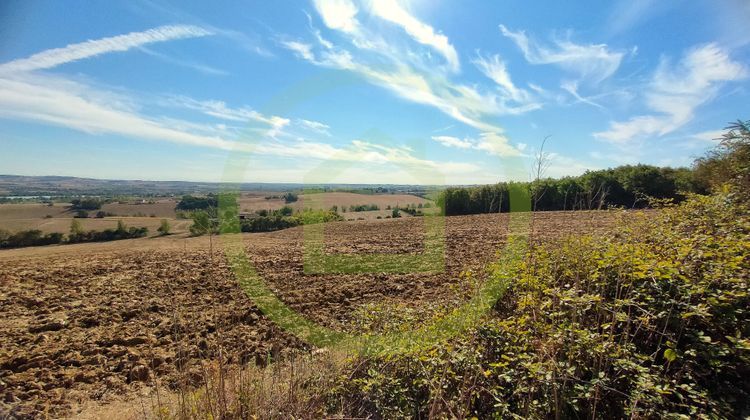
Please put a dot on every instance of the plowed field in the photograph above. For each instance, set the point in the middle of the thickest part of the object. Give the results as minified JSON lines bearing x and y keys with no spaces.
{"x":94,"y":321}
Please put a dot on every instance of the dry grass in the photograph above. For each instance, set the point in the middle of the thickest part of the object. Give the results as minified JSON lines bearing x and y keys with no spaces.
{"x":10,"y":212}
{"x":161,"y":208}
{"x":289,"y":388}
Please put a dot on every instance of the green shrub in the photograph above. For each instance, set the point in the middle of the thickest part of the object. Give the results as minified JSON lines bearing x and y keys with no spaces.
{"x":203,"y":223}
{"x":269,"y":223}
{"x":730,"y":162}
{"x":164,"y":228}
{"x":26,"y":238}
{"x":278,"y":221}
{"x":86,"y":204}
{"x":189,"y":202}
{"x":284,"y":211}
{"x":651,"y":322}
{"x":363,"y":207}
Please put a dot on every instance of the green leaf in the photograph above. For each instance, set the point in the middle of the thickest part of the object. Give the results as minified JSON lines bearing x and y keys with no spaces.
{"x":670,"y":355}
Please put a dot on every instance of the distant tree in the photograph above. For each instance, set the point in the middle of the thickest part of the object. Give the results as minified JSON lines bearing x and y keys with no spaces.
{"x":121,"y":227}
{"x":100,"y":214}
{"x":189,"y":202}
{"x":85,"y":204}
{"x":164,"y":227}
{"x":202,"y":223}
{"x":395,"y":212}
{"x":76,"y":228}
{"x":81,"y":214}
{"x":290,"y":197}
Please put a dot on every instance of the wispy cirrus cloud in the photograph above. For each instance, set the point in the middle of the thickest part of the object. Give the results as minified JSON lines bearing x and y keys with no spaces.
{"x":588,"y":62}
{"x":316,"y":126}
{"x":450,"y":141}
{"x":675,"y":92}
{"x":74,"y":52}
{"x":26,"y":95}
{"x":219,"y":109}
{"x":56,"y":101}
{"x":392,"y":11}
{"x":302,"y":49}
{"x":405,"y":72}
{"x":490,"y":142}
{"x":494,"y":68}
{"x":202,"y":68}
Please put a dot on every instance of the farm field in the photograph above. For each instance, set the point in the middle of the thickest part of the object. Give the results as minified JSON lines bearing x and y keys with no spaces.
{"x":98,"y":322}
{"x":57,"y":218}
{"x":324,"y":201}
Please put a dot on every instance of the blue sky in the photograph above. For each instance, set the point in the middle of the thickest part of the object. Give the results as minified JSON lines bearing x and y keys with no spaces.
{"x":384,"y":91}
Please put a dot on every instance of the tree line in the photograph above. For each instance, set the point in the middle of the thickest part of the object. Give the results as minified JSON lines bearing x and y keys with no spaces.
{"x":35,"y":237}
{"x":630,"y":186}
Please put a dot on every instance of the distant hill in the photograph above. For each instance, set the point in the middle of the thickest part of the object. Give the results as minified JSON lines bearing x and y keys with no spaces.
{"x":18,"y":185}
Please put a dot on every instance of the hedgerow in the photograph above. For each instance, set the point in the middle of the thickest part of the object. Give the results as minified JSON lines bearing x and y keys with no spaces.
{"x":648,"y":322}
{"x":277,"y":220}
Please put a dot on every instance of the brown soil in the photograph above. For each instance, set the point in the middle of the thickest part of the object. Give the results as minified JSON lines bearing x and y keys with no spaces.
{"x":99,"y":321}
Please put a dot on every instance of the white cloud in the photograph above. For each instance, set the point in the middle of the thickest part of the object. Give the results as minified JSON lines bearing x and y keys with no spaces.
{"x":592,"y":62}
{"x":572,"y":88}
{"x":72,"y":105}
{"x":57,"y":101}
{"x":185,"y":63}
{"x":73,"y":52}
{"x":450,"y":141}
{"x":338,"y":14}
{"x":496,"y":144}
{"x":300,"y":48}
{"x":410,"y":75}
{"x":711,"y":136}
{"x":315,"y":126}
{"x":495,"y":69}
{"x":463,"y":103}
{"x":675,"y":93}
{"x":219,"y":109}
{"x":490,"y":142}
{"x":423,"y":33}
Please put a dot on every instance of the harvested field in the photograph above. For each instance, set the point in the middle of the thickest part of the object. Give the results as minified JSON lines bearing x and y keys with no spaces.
{"x":33,"y":211}
{"x":57,"y":218}
{"x":160,"y":208}
{"x":324,"y":201}
{"x":98,"y":321}
{"x":63,"y":225}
